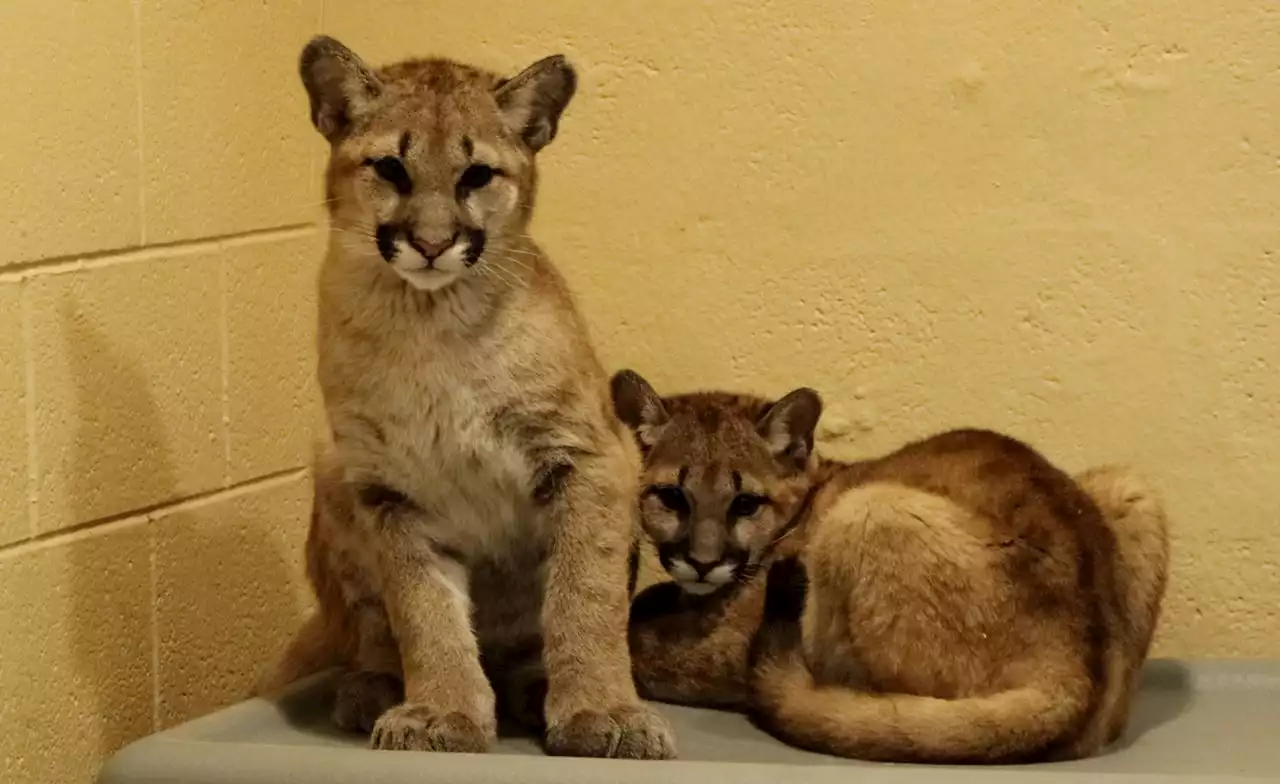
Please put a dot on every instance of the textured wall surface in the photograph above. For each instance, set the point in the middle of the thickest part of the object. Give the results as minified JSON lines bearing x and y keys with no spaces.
{"x":157,"y":261}
{"x":1060,"y":220}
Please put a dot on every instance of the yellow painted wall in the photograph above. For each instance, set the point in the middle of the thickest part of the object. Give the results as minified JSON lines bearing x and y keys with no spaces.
{"x":1057,"y":219}
{"x":157,"y":255}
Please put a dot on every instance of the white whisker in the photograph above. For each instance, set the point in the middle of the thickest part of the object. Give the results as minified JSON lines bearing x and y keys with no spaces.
{"x":523,"y":266}
{"x":504,"y":276}
{"x":522,"y":252}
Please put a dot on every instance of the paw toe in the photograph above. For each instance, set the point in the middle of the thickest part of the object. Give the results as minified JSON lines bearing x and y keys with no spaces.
{"x":419,"y":728}
{"x":629,"y":732}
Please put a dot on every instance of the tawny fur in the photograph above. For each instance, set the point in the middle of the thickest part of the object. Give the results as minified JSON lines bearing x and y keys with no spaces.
{"x":476,"y":504}
{"x":960,"y":600}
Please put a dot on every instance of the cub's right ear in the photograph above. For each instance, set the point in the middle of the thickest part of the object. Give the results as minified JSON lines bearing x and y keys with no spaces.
{"x":637,"y":405}
{"x":788,"y":425}
{"x":338,"y":83}
{"x":533,"y":100}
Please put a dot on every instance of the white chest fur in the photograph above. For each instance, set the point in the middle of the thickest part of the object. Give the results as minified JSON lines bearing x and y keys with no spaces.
{"x":416,"y":404}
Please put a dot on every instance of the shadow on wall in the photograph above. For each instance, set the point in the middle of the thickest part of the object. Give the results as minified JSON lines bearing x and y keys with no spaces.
{"x":111,"y":586}
{"x":175,"y":617}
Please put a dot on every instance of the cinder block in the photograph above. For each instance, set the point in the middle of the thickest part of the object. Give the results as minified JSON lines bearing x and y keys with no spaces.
{"x":75,"y":666}
{"x":272,"y":395}
{"x":228,"y":143}
{"x":230,"y":591}
{"x":15,"y":516}
{"x":70,"y":128}
{"x":128,"y":386}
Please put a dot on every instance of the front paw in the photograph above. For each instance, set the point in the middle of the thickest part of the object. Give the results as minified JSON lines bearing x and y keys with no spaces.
{"x":362,"y":697}
{"x":412,"y":727}
{"x":624,"y":732}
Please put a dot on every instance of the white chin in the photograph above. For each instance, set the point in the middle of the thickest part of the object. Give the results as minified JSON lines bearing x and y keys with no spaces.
{"x":424,"y":279}
{"x":698,"y":589}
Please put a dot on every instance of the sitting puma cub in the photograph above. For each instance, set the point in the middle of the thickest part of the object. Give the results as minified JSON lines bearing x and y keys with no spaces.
{"x":477,"y":507}
{"x":965,"y":601}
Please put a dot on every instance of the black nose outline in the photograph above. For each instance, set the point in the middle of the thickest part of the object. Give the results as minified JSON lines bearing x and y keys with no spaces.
{"x":703,"y":569}
{"x":668,"y":552}
{"x":386,"y":233}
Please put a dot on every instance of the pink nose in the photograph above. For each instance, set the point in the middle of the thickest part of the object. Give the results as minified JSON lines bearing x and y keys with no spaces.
{"x":430,"y":250}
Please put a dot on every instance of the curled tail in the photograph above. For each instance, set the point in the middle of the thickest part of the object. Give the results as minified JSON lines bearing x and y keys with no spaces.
{"x":314,"y":648}
{"x":1009,"y":726}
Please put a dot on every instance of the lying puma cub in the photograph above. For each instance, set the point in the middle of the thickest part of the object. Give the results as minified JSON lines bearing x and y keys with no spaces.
{"x":965,"y":600}
{"x":477,"y":510}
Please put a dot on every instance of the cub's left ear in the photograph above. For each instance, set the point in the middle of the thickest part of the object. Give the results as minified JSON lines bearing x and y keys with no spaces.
{"x":638,"y":406}
{"x":788,"y":426}
{"x":533,"y":101}
{"x":339,"y":85}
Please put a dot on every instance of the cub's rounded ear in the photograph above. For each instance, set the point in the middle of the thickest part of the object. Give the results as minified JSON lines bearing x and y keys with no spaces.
{"x":338,"y":83}
{"x":637,"y":404}
{"x":533,"y":100}
{"x":788,"y":425}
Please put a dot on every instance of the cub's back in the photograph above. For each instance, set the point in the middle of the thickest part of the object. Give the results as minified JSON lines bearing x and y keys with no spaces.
{"x":959,"y":563}
{"x":1044,"y":536}
{"x":1024,"y":496}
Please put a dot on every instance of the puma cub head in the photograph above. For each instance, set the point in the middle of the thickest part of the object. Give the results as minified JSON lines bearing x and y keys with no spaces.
{"x":431,"y":162}
{"x":724,"y":475}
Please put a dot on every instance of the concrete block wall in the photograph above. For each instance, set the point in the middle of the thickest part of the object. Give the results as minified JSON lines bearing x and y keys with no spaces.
{"x":157,"y":398}
{"x":1058,"y":221}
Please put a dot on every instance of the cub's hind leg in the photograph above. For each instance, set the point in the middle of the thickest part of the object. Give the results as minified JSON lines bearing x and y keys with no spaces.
{"x":343,"y":569}
{"x":910,"y":594}
{"x":1134,"y":512}
{"x":373,"y":685}
{"x":910,"y":647}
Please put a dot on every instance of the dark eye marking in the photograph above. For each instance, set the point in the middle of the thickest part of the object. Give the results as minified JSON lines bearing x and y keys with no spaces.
{"x":671,"y":496}
{"x":746,"y":505}
{"x":475,"y":177}
{"x":376,"y":496}
{"x":404,"y":144}
{"x":391,"y":169}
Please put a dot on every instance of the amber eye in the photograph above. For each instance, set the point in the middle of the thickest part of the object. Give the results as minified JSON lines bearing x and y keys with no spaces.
{"x":672,"y":498}
{"x":746,"y":505}
{"x":476,"y":177}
